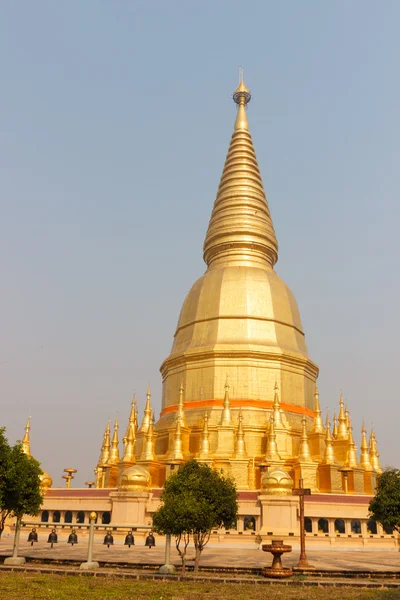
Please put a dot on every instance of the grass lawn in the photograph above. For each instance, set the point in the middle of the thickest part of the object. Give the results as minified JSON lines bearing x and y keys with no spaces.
{"x":36,"y":586}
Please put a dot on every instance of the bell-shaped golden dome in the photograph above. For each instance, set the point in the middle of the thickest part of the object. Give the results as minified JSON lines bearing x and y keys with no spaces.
{"x":277,"y":482}
{"x":135,"y":479}
{"x":45,"y":481}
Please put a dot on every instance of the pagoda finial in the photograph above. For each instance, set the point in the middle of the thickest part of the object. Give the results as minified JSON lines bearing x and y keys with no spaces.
{"x":129,"y":446}
{"x":26,"y":441}
{"x":177,"y":453}
{"x":343,"y":432}
{"x":240,"y":446}
{"x":148,"y":452}
{"x":335,"y":426}
{"x":148,"y":413}
{"x":373,"y":453}
{"x":276,"y":409}
{"x":347,"y":415}
{"x":318,"y":426}
{"x":351,"y":461}
{"x":181,"y":407}
{"x":329,"y":454}
{"x":304,"y":448}
{"x":272,"y":447}
{"x":226,"y":418}
{"x":114,"y":454}
{"x":240,"y":227}
{"x":205,"y":442}
{"x":365,"y":460}
{"x":106,"y":447}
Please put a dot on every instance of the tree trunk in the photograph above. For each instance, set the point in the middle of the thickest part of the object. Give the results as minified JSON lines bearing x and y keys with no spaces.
{"x":197,"y":560}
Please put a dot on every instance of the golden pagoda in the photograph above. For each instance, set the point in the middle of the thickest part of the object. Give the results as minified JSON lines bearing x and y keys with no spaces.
{"x":239,"y":389}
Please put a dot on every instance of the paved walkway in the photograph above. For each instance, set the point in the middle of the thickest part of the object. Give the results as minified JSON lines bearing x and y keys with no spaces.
{"x":212,"y":556}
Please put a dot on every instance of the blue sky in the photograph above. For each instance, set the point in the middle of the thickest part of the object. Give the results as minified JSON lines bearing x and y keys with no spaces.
{"x":115,"y":120}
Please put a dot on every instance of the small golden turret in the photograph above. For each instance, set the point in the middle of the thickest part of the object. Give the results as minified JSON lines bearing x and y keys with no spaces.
{"x":329,"y":454}
{"x":26,"y":441}
{"x":347,"y":415}
{"x":148,"y":452}
{"x":226,"y":418}
{"x":335,"y":426}
{"x":304,"y":448}
{"x":177,"y":453}
{"x":205,"y":441}
{"x":114,"y":454}
{"x":276,"y":409}
{"x":129,"y":447}
{"x":106,"y":447}
{"x":240,"y":446}
{"x":365,"y":461}
{"x":351,"y":461}
{"x":343,"y":432}
{"x":318,"y":426}
{"x":132,"y":423}
{"x":373,"y":453}
{"x":148,"y":413}
{"x":272,"y":448}
{"x":181,"y":408}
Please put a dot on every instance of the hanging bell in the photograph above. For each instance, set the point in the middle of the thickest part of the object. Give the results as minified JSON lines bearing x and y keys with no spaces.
{"x":108,"y":539}
{"x":129,"y":540}
{"x":72,"y":538}
{"x":53,"y":538}
{"x":33,"y":536}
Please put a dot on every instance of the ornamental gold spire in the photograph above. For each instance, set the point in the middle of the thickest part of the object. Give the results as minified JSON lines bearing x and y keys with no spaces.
{"x":114,"y":454}
{"x":365,"y":460}
{"x":329,"y":454}
{"x":181,"y":408}
{"x":106,"y":447}
{"x":318,"y":426}
{"x":276,"y":409}
{"x":26,"y":441}
{"x":205,"y":441}
{"x":132,"y":425}
{"x":272,"y":448}
{"x":304,"y":448}
{"x":177,"y":453}
{"x":148,"y":413}
{"x":226,"y":418}
{"x":347,"y":415}
{"x":373,"y":453}
{"x":351,"y":461}
{"x":335,"y":426}
{"x":343,"y":432}
{"x":240,"y":227}
{"x":148,"y":452}
{"x":129,"y":446}
{"x":240,"y":447}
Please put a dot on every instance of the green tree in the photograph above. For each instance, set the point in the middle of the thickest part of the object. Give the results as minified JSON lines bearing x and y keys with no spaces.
{"x":20,"y":492}
{"x":385,"y":506}
{"x":195,"y":500}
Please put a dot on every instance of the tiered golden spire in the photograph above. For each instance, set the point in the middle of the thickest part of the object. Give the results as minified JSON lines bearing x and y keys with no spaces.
{"x":329,"y":454}
{"x":276,"y":409}
{"x":335,"y":426}
{"x":351,"y":461}
{"x":226,"y":418}
{"x":26,"y":441}
{"x":240,"y":446}
{"x":373,"y":453}
{"x":114,"y":454}
{"x":181,"y":407}
{"x":272,"y":448}
{"x":205,"y":442}
{"x":240,"y":227}
{"x":365,"y":460}
{"x":129,"y":446}
{"x":347,"y":415}
{"x":148,"y":413}
{"x":148,"y":451}
{"x":343,"y":432}
{"x":132,"y":423}
{"x":106,"y":447}
{"x":304,"y":448}
{"x":318,"y":426}
{"x":177,"y":453}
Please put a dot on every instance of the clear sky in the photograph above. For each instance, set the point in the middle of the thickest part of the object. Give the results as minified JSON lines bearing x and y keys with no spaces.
{"x":115,"y":119}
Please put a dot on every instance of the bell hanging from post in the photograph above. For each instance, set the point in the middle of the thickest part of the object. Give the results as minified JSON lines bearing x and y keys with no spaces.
{"x":150,"y":540}
{"x":72,"y":538}
{"x":33,"y":536}
{"x":108,"y":539}
{"x":129,"y":539}
{"x":53,"y":538}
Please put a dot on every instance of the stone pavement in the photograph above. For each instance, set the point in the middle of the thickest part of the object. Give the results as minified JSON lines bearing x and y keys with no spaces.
{"x":212,"y":556}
